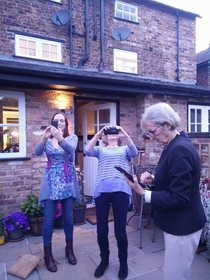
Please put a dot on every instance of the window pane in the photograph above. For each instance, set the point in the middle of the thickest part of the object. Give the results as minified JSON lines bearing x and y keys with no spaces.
{"x":192,"y":115}
{"x":9,"y":125}
{"x":126,"y":8}
{"x":199,"y":128}
{"x":92,"y":117}
{"x":91,"y":130}
{"x":198,"y":116}
{"x":192,"y":128}
{"x":104,"y":116}
{"x":126,"y":16}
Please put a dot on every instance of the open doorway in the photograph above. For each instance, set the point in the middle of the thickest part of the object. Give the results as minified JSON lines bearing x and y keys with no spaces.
{"x":91,"y":116}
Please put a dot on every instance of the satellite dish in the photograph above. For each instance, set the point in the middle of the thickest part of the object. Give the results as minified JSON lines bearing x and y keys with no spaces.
{"x":121,"y":33}
{"x":61,"y":17}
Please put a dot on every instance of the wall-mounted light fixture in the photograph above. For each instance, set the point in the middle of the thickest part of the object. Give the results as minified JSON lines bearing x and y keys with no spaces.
{"x":61,"y":105}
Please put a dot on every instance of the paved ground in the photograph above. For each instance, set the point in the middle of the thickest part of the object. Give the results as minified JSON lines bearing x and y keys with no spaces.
{"x":144,"y":264}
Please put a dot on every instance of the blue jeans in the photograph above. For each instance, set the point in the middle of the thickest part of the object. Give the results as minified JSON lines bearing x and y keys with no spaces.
{"x":49,"y":219}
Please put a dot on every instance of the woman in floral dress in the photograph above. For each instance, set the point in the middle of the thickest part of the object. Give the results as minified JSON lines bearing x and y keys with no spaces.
{"x":59,"y":183}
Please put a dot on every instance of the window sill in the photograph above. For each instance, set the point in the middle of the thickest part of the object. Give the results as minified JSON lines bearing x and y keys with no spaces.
{"x":15,"y":159}
{"x":198,"y":134}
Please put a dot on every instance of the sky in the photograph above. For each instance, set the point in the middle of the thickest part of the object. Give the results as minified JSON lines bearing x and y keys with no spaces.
{"x":199,"y":7}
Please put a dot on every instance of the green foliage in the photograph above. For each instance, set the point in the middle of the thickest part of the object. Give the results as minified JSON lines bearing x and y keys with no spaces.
{"x":1,"y":228}
{"x":30,"y":206}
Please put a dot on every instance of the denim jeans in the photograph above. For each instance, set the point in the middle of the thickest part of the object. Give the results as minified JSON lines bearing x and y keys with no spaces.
{"x":49,"y":218}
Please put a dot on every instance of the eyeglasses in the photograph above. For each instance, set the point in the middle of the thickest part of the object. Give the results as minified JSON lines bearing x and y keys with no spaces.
{"x":150,"y":134}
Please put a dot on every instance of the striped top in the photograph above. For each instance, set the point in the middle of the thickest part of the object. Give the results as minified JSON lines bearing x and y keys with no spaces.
{"x":108,"y":178}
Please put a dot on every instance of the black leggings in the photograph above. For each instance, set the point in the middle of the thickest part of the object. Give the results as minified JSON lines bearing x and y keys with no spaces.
{"x":119,"y":202}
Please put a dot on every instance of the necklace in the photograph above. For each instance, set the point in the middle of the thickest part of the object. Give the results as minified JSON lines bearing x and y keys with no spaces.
{"x":112,"y":147}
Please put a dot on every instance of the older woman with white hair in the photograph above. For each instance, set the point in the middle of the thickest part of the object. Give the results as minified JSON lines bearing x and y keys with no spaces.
{"x":175,"y":199}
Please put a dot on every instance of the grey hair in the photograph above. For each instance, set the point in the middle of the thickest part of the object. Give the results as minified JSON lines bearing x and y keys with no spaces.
{"x":160,"y":113}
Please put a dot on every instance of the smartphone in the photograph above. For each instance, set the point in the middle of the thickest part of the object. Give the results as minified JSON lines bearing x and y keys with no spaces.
{"x":54,"y":123}
{"x":129,"y":176}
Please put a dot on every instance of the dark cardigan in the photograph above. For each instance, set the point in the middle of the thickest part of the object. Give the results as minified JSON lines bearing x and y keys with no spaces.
{"x":176,"y":202}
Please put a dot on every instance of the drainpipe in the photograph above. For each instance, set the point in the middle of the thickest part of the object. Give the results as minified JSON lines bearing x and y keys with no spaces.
{"x":87,"y":51}
{"x":100,"y":66}
{"x":177,"y":70}
{"x":70,"y":35}
{"x":94,"y":18}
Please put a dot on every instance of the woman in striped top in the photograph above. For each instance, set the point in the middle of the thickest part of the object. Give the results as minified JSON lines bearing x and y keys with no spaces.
{"x":111,"y":189}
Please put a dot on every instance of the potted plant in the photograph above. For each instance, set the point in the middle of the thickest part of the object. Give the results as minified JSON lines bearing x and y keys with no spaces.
{"x":79,"y":206}
{"x":16,"y":224}
{"x":35,"y":212}
{"x":2,"y":230}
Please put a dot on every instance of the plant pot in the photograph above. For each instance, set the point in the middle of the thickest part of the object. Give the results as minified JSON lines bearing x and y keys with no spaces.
{"x":79,"y":215}
{"x":2,"y":240}
{"x":36,"y":224}
{"x":58,"y":222}
{"x":16,"y":235}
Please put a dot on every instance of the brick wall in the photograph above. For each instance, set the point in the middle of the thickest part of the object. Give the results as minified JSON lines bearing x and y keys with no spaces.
{"x":154,"y":38}
{"x":18,"y":178}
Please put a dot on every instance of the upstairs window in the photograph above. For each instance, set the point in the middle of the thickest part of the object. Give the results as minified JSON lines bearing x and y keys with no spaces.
{"x":37,"y":48}
{"x":125,"y":61}
{"x":12,"y":124}
{"x":198,"y":118}
{"x":126,"y":11}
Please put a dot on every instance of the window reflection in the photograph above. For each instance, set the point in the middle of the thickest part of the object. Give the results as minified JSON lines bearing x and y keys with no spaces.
{"x":9,"y":125}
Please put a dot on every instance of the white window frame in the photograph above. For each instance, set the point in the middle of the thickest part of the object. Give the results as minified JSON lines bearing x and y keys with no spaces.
{"x":20,"y":96}
{"x":204,"y":118}
{"x":128,"y":12}
{"x":39,"y":46}
{"x":125,"y":61}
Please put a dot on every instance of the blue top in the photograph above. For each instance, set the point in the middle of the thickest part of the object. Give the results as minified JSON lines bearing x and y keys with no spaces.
{"x":59,"y":180}
{"x":109,"y":179}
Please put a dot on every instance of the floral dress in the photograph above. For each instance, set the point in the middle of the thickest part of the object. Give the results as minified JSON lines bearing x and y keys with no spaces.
{"x":59,"y":180}
{"x":58,"y":173}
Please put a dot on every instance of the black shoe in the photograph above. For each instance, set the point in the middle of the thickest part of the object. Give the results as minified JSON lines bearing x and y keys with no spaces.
{"x":101,"y":269}
{"x":123,"y":272}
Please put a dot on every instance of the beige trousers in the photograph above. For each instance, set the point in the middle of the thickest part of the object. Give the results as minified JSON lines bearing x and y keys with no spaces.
{"x":179,"y":253}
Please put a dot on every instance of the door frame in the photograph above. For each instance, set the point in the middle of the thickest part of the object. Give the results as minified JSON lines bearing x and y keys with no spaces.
{"x":91,"y":99}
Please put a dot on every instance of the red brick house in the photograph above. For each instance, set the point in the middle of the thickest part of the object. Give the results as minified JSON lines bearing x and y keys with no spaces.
{"x":100,"y":61}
